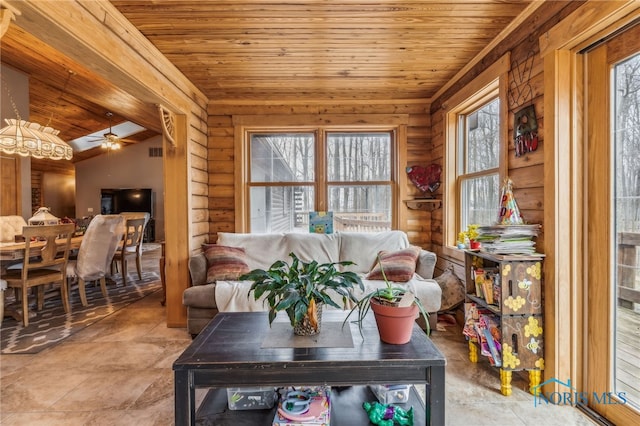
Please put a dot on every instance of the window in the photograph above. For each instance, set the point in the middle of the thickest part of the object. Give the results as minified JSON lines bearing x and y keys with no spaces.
{"x":282,"y":180}
{"x":476,"y":151}
{"x":294,"y":173}
{"x":478,"y":161}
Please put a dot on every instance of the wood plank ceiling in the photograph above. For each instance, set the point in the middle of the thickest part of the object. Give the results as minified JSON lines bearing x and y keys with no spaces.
{"x":349,"y":49}
{"x":266,"y":51}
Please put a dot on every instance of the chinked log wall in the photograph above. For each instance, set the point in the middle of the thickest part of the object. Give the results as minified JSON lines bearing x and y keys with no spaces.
{"x":526,"y":171}
{"x":221,"y":189}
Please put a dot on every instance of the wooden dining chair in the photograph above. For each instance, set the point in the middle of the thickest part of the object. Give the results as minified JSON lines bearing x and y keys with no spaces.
{"x":45,"y":262}
{"x":147,"y":217}
{"x":131,"y":243}
{"x":99,"y":244}
{"x":3,"y":287}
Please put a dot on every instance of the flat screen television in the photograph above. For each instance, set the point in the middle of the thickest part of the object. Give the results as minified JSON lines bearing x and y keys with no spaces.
{"x":115,"y":201}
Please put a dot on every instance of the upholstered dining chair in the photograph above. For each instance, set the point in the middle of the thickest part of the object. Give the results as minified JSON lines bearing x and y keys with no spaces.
{"x":99,"y":244}
{"x":45,"y":262}
{"x":131,"y":247}
{"x":10,"y":226}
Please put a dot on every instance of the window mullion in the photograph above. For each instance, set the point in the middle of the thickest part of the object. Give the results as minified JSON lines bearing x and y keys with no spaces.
{"x":321,"y":170}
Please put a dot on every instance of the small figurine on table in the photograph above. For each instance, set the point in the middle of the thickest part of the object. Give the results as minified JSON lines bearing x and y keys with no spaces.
{"x":388,"y":415}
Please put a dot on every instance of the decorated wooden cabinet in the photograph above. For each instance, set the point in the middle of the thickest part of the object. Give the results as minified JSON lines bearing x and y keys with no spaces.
{"x":503,"y":314}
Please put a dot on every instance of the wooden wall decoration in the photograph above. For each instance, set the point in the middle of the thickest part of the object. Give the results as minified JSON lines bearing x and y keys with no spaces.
{"x":167,"y":119}
{"x":6,"y":16}
{"x":520,"y":90}
{"x":525,"y":126}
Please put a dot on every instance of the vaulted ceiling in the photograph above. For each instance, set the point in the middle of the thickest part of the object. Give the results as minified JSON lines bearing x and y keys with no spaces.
{"x":268,"y":51}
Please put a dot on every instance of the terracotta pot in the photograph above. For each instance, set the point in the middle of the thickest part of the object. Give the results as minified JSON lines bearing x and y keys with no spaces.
{"x":395,"y":324}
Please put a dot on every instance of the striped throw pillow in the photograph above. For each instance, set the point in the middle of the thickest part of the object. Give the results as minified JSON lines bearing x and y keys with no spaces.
{"x":224,"y":263}
{"x":398,"y":265}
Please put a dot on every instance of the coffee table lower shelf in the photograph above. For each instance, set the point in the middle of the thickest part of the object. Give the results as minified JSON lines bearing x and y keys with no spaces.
{"x":346,"y":409}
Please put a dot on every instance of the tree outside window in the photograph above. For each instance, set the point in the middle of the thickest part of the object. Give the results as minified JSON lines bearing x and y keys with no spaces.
{"x":285,"y":185}
{"x":478,"y":163}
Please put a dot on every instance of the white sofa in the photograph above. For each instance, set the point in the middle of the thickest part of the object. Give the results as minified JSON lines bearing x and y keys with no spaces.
{"x":204,"y":300}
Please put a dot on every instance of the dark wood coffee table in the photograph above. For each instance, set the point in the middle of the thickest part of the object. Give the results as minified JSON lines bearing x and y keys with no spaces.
{"x":230,"y":352}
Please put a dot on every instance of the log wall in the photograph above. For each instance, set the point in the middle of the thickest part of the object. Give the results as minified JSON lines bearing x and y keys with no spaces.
{"x":526,"y":87}
{"x":221,"y":187}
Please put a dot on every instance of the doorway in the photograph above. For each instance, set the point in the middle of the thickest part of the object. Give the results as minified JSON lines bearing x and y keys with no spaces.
{"x":612,"y":314}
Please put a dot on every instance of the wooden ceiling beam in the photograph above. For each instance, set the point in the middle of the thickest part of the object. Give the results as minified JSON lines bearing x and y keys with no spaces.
{"x":96,"y":34}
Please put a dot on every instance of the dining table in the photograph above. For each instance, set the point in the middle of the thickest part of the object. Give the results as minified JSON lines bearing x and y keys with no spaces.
{"x":11,"y":251}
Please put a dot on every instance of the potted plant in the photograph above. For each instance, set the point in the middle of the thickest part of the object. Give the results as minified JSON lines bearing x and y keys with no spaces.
{"x":395,"y":309}
{"x":301,"y":289}
{"x":469,"y":238}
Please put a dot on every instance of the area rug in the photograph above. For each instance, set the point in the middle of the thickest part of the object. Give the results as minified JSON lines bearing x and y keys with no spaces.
{"x":52,"y":325}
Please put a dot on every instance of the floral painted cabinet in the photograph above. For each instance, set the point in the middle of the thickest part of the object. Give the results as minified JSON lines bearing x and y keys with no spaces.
{"x":504,"y":295}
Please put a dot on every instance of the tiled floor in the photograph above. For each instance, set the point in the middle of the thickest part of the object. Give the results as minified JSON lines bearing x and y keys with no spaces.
{"x":118,"y":372}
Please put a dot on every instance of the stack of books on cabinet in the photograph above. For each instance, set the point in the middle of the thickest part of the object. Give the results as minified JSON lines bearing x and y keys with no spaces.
{"x":508,"y":239}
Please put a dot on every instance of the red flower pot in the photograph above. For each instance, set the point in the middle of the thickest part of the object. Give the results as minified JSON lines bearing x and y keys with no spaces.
{"x":474,"y":245}
{"x":395,"y":324}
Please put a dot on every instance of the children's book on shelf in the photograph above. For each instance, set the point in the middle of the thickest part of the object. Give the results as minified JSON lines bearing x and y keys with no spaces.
{"x":497,"y":290}
{"x":481,"y":338}
{"x":470,"y":317}
{"x":492,"y":274}
{"x":483,"y":327}
{"x":491,"y":329}
{"x":485,"y":282}
{"x":478,"y":279}
{"x":487,"y":289}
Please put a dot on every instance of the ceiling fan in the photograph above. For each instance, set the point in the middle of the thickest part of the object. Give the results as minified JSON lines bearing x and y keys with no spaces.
{"x":109,"y":141}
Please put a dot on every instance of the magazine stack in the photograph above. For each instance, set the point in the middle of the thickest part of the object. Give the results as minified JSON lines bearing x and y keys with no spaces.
{"x":508,"y":239}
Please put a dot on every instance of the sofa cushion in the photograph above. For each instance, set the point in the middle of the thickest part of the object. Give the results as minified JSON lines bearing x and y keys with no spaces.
{"x":198,"y":269}
{"x":453,"y":291}
{"x":323,"y":248}
{"x":426,"y":264}
{"x":362,"y":248}
{"x":261,"y":249}
{"x":224,"y":262}
{"x":399,"y":265}
{"x":200,"y":296}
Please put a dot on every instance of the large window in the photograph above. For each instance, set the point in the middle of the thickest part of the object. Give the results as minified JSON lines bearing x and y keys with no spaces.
{"x":476,"y":152}
{"x":293,"y":173}
{"x":478,"y":162}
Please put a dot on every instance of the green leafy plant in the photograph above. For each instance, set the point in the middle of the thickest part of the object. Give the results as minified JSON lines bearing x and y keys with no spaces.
{"x":389,"y":295}
{"x":299,"y":287}
{"x":468,"y":236}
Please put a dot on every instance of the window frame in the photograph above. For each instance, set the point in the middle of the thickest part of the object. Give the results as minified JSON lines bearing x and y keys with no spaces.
{"x":246,"y":125}
{"x":462,"y":175}
{"x":490,"y":84}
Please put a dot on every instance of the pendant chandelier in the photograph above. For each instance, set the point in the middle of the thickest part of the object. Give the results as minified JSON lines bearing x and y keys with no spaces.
{"x":31,"y":139}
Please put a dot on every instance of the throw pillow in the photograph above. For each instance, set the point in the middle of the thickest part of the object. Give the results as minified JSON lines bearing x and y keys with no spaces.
{"x":224,"y":263}
{"x":452,"y":290}
{"x":398,"y":265}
